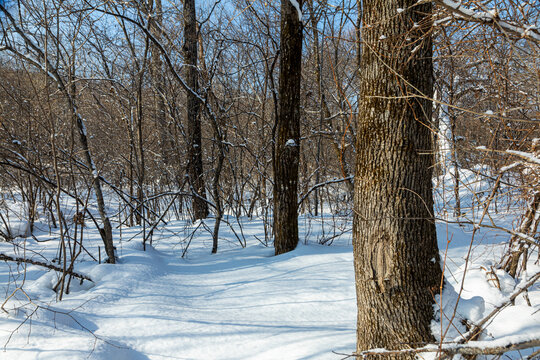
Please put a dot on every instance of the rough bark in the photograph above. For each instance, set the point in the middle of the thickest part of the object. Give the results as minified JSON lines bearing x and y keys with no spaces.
{"x":195,"y":165}
{"x":287,"y":146}
{"x":395,"y":249}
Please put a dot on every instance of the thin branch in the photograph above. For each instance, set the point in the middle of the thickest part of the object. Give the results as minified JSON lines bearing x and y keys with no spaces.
{"x":490,"y":18}
{"x":4,"y":257}
{"x":316,"y":186}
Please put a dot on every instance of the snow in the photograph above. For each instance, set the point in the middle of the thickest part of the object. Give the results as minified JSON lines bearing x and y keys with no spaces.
{"x":490,"y":16}
{"x":476,"y":277}
{"x":528,"y":156}
{"x":242,"y":303}
{"x":16,"y":228}
{"x":297,"y":7}
{"x":510,"y":167}
{"x":290,"y":142}
{"x":416,"y":48}
{"x":238,"y":304}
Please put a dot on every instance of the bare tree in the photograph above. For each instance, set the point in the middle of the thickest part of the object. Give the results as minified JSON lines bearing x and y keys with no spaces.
{"x":39,"y":59}
{"x":287,"y":146}
{"x":195,"y":164}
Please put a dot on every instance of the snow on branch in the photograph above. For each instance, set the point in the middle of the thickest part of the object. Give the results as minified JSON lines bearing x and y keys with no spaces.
{"x":525,"y":155}
{"x":495,"y":347}
{"x":490,"y":17}
{"x":297,"y":7}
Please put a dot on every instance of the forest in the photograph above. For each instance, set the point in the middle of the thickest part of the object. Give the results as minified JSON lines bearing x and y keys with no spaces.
{"x":269,"y":179}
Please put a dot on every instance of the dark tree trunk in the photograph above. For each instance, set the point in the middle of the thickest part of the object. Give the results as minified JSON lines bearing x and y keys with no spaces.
{"x":287,"y":146}
{"x":195,"y":165}
{"x":396,"y":257}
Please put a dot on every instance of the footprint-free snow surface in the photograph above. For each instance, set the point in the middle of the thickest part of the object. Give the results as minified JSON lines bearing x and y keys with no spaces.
{"x":241,"y":303}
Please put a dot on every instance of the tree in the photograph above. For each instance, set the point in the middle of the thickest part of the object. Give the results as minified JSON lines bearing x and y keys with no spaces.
{"x":38,"y":57}
{"x":287,"y":137}
{"x":156,"y":70}
{"x":395,"y":249}
{"x":195,"y":165}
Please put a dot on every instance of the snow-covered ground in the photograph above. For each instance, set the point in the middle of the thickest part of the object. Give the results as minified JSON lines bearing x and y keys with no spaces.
{"x":242,"y":303}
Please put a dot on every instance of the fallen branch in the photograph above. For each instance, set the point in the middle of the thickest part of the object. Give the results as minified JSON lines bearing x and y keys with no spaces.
{"x":475,"y":348}
{"x":5,"y":257}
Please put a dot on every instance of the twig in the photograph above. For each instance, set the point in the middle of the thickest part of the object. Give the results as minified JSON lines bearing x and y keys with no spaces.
{"x":316,"y":186}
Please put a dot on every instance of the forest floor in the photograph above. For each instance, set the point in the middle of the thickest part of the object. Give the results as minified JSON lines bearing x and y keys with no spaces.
{"x":241,"y":303}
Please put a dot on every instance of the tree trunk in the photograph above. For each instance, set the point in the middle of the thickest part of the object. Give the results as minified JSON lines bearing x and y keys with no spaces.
{"x":396,"y":257}
{"x":287,"y":146}
{"x":106,"y":231}
{"x":195,"y":165}
{"x":156,"y":70}
{"x":318,"y":78}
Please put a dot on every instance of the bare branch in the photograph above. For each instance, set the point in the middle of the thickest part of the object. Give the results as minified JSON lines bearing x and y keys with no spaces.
{"x":474,"y":348}
{"x":5,"y":257}
{"x":491,"y":18}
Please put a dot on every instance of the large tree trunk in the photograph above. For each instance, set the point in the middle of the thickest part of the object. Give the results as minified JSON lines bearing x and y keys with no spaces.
{"x":395,"y":249}
{"x":287,"y":147}
{"x":195,"y":165}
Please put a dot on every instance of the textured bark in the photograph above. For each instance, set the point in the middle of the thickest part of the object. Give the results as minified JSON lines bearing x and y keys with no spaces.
{"x":287,"y":147}
{"x":195,"y":165}
{"x":396,"y":259}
